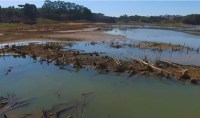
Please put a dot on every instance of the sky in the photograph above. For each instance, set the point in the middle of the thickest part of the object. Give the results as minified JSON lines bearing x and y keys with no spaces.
{"x":134,"y":7}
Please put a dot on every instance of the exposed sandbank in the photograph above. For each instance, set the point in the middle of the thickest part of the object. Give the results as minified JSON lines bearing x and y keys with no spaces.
{"x":56,"y":37}
{"x":85,"y":36}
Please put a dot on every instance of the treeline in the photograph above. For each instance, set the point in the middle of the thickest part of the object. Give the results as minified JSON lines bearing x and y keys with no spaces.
{"x":56,"y":10}
{"x":193,"y":19}
{"x":60,"y":10}
{"x":24,"y":13}
{"x":66,"y":11}
{"x":151,"y":19}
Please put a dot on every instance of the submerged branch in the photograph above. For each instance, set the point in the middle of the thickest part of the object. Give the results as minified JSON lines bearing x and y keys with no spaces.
{"x":105,"y":63}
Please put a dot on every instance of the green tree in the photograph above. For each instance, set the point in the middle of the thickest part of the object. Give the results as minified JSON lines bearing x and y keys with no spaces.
{"x":60,"y":10}
{"x":0,"y":14}
{"x":193,"y":19}
{"x":30,"y":11}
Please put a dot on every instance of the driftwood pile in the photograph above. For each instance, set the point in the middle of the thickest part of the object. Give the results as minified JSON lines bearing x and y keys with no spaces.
{"x":57,"y":110}
{"x":73,"y":107}
{"x":11,"y":103}
{"x":155,"y":46}
{"x":56,"y":53}
{"x":76,"y":108}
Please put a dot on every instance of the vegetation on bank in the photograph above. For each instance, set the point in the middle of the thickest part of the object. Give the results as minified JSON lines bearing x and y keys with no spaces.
{"x":54,"y":11}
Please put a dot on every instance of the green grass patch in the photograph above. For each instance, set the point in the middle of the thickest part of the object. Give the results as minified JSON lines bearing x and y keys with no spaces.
{"x":45,"y":21}
{"x":11,"y":24}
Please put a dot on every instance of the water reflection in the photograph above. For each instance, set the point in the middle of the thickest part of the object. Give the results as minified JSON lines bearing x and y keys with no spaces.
{"x":182,"y":57}
{"x":158,"y":35}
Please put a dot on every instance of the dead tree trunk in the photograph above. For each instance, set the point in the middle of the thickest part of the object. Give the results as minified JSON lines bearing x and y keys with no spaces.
{"x":153,"y":68}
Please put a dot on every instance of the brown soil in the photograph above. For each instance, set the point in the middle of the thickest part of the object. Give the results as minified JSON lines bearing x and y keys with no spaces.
{"x":84,"y":36}
{"x":54,"y":32}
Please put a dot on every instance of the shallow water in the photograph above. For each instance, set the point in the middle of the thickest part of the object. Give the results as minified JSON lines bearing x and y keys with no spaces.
{"x":113,"y":95}
{"x":182,"y":57}
{"x":192,"y":28}
{"x":159,"y":35}
{"x":135,"y":35}
{"x":104,"y":48}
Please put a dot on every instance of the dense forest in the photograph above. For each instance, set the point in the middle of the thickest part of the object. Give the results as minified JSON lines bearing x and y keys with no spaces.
{"x":66,"y":11}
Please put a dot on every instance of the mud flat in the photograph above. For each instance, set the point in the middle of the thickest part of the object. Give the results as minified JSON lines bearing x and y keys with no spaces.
{"x":84,"y":36}
{"x":54,"y":52}
{"x":60,"y":31}
{"x":72,"y":35}
{"x":80,"y":30}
